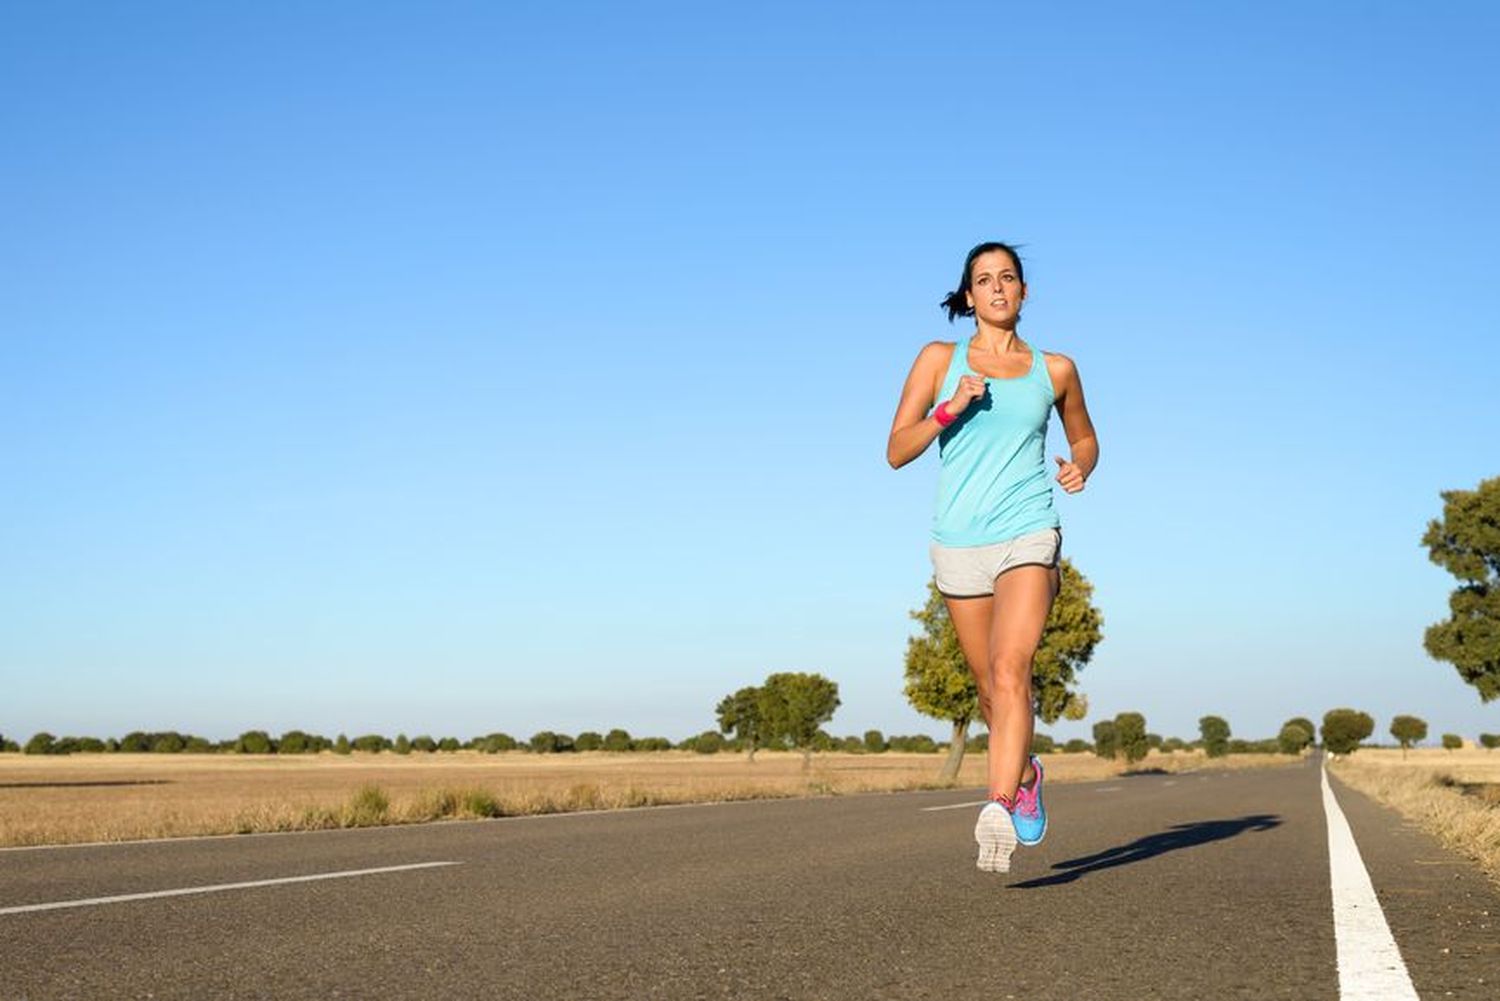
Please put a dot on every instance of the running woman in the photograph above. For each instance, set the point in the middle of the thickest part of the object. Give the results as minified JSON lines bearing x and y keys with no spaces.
{"x":996,"y":539}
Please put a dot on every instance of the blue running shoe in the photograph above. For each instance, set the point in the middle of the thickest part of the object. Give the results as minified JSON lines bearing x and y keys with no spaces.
{"x":1029,"y":815}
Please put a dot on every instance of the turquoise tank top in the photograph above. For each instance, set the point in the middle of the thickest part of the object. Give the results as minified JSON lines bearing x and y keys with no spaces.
{"x":994,"y":484}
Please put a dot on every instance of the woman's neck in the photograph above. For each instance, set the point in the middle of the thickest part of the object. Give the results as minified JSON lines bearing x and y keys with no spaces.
{"x":995,"y":339}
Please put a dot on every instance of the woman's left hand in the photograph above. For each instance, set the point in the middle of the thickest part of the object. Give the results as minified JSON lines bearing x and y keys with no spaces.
{"x":1069,"y":475}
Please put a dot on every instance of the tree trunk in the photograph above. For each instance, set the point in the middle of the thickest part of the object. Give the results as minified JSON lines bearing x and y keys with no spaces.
{"x":955,"y":751}
{"x":751,"y":760}
{"x":807,"y":758}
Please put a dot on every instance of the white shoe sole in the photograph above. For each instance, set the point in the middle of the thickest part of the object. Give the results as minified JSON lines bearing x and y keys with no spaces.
{"x":997,"y":839}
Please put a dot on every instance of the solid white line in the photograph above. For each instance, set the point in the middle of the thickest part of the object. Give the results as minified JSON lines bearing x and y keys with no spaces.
{"x":954,"y":806}
{"x":1370,"y":966}
{"x":215,"y":888}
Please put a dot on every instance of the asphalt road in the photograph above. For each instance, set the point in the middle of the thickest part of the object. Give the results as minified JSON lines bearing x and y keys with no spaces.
{"x":1203,"y":885}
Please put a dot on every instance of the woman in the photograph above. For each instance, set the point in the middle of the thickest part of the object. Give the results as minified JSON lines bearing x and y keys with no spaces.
{"x":996,"y":538}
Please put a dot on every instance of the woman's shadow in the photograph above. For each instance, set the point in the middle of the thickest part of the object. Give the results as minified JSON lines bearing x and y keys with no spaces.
{"x":1172,"y":839}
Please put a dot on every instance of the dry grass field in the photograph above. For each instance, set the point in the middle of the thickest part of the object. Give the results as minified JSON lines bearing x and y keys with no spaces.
{"x":115,"y":797}
{"x":1454,"y":795}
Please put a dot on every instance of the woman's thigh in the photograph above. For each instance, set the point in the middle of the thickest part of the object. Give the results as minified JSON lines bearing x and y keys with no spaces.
{"x":1023,"y":599}
{"x":971,"y":620}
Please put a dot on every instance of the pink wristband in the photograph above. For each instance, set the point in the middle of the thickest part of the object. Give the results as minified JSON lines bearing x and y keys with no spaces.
{"x":941,"y":415}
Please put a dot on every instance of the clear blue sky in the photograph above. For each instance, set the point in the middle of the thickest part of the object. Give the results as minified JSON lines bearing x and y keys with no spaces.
{"x":459,"y":367}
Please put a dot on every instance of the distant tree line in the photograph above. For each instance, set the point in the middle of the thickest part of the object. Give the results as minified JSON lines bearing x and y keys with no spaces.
{"x":743,"y":728}
{"x":543,"y":742}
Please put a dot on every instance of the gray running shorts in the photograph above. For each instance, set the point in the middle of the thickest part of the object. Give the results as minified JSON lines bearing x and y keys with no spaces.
{"x":970,"y":571}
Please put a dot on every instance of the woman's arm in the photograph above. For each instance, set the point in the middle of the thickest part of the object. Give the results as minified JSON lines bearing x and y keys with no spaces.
{"x":1082,"y":442}
{"x":913,"y":429}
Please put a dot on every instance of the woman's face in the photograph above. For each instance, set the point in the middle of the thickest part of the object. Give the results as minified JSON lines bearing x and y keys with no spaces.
{"x":995,"y":290}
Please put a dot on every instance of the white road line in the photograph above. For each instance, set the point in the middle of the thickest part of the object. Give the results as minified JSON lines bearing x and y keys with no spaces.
{"x":1370,"y":966}
{"x":954,"y":806}
{"x":216,"y":888}
{"x":1108,"y":789}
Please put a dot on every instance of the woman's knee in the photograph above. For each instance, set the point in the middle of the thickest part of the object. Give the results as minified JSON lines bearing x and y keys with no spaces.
{"x":1010,"y":678}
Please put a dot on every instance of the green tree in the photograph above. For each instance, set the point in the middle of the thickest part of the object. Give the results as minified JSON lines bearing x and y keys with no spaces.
{"x":341,"y":745}
{"x":168,"y":743}
{"x":1452,"y":741}
{"x":1293,"y":737}
{"x":423,"y":743}
{"x":649,"y":744}
{"x":1489,"y":741}
{"x":296,"y":742}
{"x":403,"y":744}
{"x":254,"y":742}
{"x":588,"y":740}
{"x":1215,"y":732}
{"x":41,"y":743}
{"x":1408,"y":730}
{"x":708,"y":742}
{"x":617,"y":740}
{"x":1466,"y":543}
{"x":1343,"y":729}
{"x":874,"y":741}
{"x":1105,"y":741}
{"x":739,"y":714}
{"x":1042,"y":743}
{"x":373,"y":743}
{"x":1130,"y":737}
{"x":547,"y":742}
{"x":793,"y":705}
{"x":494,"y":743}
{"x":939,"y":683}
{"x":1306,"y":724}
{"x":135,"y":742}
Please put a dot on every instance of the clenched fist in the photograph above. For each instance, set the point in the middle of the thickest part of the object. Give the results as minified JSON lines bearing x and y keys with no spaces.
{"x":970,"y":388}
{"x":1069,"y":475}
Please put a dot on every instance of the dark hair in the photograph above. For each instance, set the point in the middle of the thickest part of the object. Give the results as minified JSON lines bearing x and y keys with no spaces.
{"x":954,"y":303}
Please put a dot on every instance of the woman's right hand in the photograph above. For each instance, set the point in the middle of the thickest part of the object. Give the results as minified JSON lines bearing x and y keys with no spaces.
{"x":970,"y":388}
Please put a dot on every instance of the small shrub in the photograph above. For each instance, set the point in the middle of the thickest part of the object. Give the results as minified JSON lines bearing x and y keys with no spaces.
{"x":367,"y":807}
{"x":478,"y":803}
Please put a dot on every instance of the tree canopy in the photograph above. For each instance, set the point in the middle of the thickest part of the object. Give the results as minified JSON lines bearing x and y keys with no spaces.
{"x":1343,"y":729}
{"x":739,"y":714}
{"x":1466,"y":543}
{"x":793,"y":705}
{"x":1408,"y":730}
{"x":1130,"y":737}
{"x":1215,"y":733}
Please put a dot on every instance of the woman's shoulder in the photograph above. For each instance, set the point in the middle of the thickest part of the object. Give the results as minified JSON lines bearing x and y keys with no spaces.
{"x":1058,"y":364}
{"x":934,"y":352}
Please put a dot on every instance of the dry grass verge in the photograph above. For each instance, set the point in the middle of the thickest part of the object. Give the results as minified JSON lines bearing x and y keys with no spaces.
{"x":92,"y":797}
{"x":1454,"y":795}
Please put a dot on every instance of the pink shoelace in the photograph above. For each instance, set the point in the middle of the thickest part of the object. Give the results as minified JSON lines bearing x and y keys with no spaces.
{"x":1026,"y":801}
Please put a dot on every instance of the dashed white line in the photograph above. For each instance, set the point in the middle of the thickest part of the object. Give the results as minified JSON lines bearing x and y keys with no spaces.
{"x":954,"y":806}
{"x":215,"y":888}
{"x":1370,"y":965}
